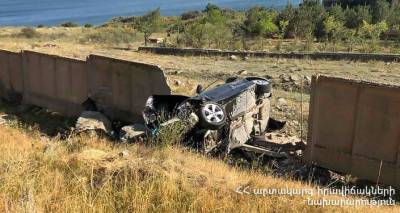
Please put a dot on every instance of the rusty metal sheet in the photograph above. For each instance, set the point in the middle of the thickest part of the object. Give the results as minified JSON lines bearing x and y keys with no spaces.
{"x":122,"y":87}
{"x":354,"y":128}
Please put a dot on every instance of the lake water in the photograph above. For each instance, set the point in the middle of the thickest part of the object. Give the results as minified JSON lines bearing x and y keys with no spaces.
{"x":54,"y":12}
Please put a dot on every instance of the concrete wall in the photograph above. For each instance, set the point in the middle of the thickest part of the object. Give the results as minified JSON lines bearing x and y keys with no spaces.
{"x":298,"y":55}
{"x":54,"y":82}
{"x":11,"y":82}
{"x":354,"y":128}
{"x":122,"y":87}
{"x":119,"y":87}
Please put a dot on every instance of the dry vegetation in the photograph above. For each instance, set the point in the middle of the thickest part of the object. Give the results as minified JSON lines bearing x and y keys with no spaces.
{"x":85,"y":174}
{"x":39,"y":173}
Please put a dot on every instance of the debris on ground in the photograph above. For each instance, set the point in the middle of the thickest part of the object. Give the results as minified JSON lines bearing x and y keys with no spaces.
{"x":90,"y":121}
{"x":233,"y":58}
{"x":132,"y":133}
{"x":242,"y":72}
{"x":178,"y":83}
{"x":282,"y":102}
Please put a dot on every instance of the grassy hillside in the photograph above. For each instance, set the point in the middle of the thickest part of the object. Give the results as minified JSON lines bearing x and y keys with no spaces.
{"x":89,"y":174}
{"x":43,"y":173}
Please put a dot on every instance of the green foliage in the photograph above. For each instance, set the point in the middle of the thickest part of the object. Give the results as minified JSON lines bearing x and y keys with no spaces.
{"x":69,"y":24}
{"x":223,"y":28}
{"x":210,"y":7}
{"x":373,"y":31}
{"x":286,"y":15}
{"x":307,"y":17}
{"x":380,"y":11}
{"x":337,"y":12}
{"x":190,"y":15}
{"x":29,"y":32}
{"x":149,"y":23}
{"x":111,"y":35}
{"x":87,"y":25}
{"x":354,"y":17}
{"x":194,"y":35}
{"x":393,"y":19}
{"x":334,"y":30}
{"x":260,"y":22}
{"x":215,"y":16}
{"x":40,"y":26}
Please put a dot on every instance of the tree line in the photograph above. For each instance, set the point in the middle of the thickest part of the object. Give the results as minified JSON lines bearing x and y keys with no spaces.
{"x":346,"y":21}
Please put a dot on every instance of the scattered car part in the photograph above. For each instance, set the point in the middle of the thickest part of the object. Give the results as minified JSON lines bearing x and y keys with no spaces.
{"x":93,"y":121}
{"x":132,"y":133}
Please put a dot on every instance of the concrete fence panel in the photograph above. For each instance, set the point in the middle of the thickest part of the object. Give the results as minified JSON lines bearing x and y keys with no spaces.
{"x":4,"y":73}
{"x":10,"y":74}
{"x":355,"y":128}
{"x":48,"y":82}
{"x":122,"y":87}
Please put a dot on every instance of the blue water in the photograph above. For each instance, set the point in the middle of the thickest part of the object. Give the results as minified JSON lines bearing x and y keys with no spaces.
{"x":54,"y":12}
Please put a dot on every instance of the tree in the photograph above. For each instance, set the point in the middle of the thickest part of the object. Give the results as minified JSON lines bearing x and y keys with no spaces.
{"x":260,"y":21}
{"x":393,"y":19}
{"x":354,"y":17}
{"x":210,"y":7}
{"x":333,"y":30}
{"x":380,"y":11}
{"x":337,"y":12}
{"x":149,"y":24}
{"x":308,"y":19}
{"x":373,"y":32}
{"x":286,"y":15}
{"x":178,"y":28}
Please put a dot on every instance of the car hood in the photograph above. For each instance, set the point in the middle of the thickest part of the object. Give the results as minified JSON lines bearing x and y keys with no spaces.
{"x":226,"y":91}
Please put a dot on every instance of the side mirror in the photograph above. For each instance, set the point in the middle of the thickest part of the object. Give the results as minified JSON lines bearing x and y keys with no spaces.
{"x":199,"y":89}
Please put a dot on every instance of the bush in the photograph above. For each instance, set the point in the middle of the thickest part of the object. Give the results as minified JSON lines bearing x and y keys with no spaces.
{"x":190,"y":15}
{"x":69,"y":24}
{"x":40,"y":26}
{"x":88,"y":25}
{"x":29,"y":32}
{"x":111,"y":35}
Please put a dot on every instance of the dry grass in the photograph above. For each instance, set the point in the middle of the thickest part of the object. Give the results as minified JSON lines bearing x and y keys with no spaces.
{"x":46,"y":175}
{"x":88,"y":175}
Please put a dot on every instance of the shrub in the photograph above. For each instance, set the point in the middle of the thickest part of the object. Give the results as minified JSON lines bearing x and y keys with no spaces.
{"x":111,"y":35}
{"x":190,"y":15}
{"x":40,"y":26}
{"x":88,"y":25}
{"x":69,"y":24}
{"x":149,"y":24}
{"x":29,"y":32}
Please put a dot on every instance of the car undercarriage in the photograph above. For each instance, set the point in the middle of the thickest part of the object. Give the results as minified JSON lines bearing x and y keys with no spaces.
{"x":229,"y":117}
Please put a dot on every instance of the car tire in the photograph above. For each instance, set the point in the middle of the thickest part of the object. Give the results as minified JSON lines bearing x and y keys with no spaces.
{"x":262,"y":85}
{"x":212,"y":116}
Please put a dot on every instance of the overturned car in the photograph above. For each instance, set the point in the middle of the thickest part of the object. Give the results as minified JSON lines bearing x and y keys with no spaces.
{"x":232,"y":116}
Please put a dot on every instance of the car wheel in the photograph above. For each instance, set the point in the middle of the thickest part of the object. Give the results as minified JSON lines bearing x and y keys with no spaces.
{"x":262,"y":85}
{"x":212,"y":116}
